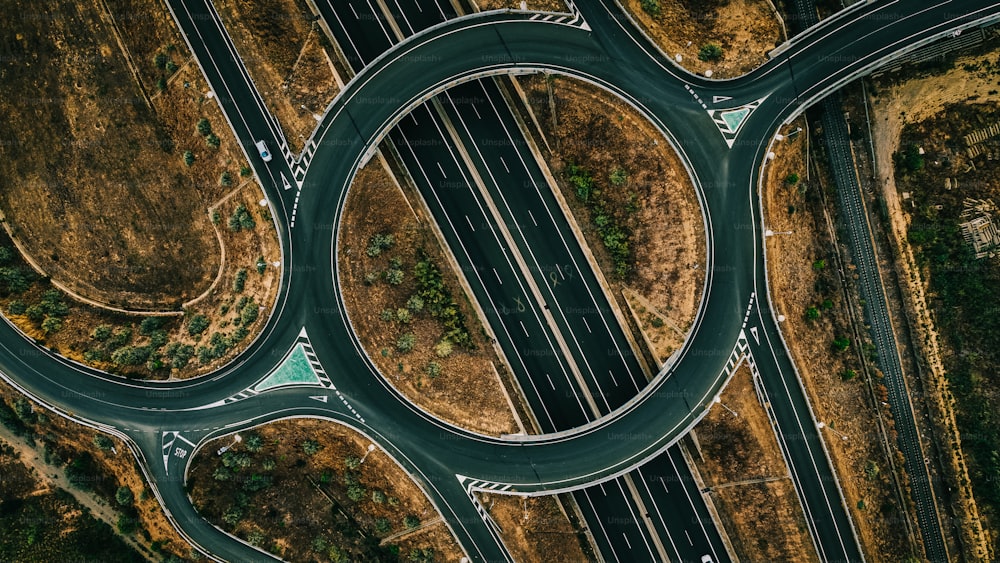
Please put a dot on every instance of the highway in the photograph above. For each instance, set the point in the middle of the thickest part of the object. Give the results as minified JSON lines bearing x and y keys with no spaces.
{"x":163,"y":422}
{"x":496,"y":154}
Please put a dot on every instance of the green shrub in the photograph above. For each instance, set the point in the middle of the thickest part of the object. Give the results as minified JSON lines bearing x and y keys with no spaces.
{"x":240,"y":280}
{"x":226,"y":179}
{"x":378,"y":243}
{"x":197,"y":324}
{"x":651,"y":7}
{"x":17,"y":307}
{"x":188,"y":157}
{"x":406,"y":342}
{"x":124,"y":497}
{"x":792,"y":179}
{"x":204,"y":127}
{"x":710,"y":52}
{"x":103,"y":442}
{"x":311,"y":447}
{"x":213,"y":141}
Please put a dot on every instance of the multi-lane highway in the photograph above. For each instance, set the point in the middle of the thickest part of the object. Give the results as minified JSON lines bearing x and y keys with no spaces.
{"x":164,"y":421}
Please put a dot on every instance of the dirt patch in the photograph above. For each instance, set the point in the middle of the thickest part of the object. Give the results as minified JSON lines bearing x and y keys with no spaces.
{"x":638,"y":184}
{"x":94,"y":183}
{"x":309,"y":490}
{"x":120,"y":110}
{"x":534,"y":529}
{"x":739,"y":459}
{"x":806,"y":288}
{"x":745,"y":30}
{"x":455,"y":382}
{"x":65,"y":455}
{"x":288,"y":57}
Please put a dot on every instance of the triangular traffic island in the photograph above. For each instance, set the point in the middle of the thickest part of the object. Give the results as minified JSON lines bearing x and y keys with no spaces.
{"x":295,"y":369}
{"x":730,"y":121}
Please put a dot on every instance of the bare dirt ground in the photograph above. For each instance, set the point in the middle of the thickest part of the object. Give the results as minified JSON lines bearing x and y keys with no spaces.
{"x":58,"y":441}
{"x":745,"y":30}
{"x":117,"y":108}
{"x":320,"y":507}
{"x":797,"y":284}
{"x":937,"y":106}
{"x":742,"y":465}
{"x":655,"y":203}
{"x":534,"y":529}
{"x":465,"y":389}
{"x":288,"y":58}
{"x":108,"y":207}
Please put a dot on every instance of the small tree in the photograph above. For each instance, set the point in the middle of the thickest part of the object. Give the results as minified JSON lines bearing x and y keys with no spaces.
{"x":240,"y":280}
{"x":651,"y":7}
{"x":618,"y":177}
{"x":792,"y":179}
{"x":123,"y":496}
{"x":415,"y":303}
{"x":812,"y":313}
{"x":433,"y":369}
{"x":253,"y":443}
{"x":245,"y":171}
{"x":710,"y":52}
{"x":403,"y":315}
{"x":848,"y":374}
{"x":352,"y":462}
{"x":261,"y":265}
{"x":394,"y":276}
{"x":149,"y":325}
{"x":406,"y":342}
{"x":841,"y":343}
{"x":411,"y":521}
{"x":197,"y":324}
{"x":103,"y":442}
{"x":443,"y":348}
{"x":51,"y":324}
{"x":819,"y":265}
{"x":126,"y":525}
{"x":160,"y":61}
{"x":226,"y":179}
{"x":204,"y":127}
{"x":213,"y":141}
{"x":311,"y":447}
{"x":382,"y":525}
{"x":188,"y":158}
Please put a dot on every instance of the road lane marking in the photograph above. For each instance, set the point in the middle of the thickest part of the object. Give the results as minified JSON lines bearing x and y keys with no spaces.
{"x":470,"y":223}
{"x":530,"y":214}
{"x":553,"y":385}
{"x":441,"y":168}
{"x":586,"y":324}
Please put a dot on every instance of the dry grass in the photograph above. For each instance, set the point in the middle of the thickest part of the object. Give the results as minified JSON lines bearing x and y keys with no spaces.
{"x":795,"y":285}
{"x":749,"y":481}
{"x":534,"y":529}
{"x":288,"y":58}
{"x":293,"y":511}
{"x":109,"y":209}
{"x":466,"y":392}
{"x":602,"y":134}
{"x":745,"y":29}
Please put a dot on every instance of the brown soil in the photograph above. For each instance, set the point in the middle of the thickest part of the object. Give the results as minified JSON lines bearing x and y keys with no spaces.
{"x":144,"y":239}
{"x":308,"y":499}
{"x":742,"y":465}
{"x":745,"y":29}
{"x":108,"y":207}
{"x":286,"y":54}
{"x":795,"y":286}
{"x":467,"y":392}
{"x":601,"y":135}
{"x":534,"y":529}
{"x":936,"y":108}
{"x":67,"y":440}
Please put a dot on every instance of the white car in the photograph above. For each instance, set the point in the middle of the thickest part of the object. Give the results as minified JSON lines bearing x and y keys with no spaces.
{"x":706,"y":559}
{"x":262,"y":149}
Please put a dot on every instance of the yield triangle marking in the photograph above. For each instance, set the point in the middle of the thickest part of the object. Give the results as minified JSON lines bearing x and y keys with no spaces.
{"x":753,"y":331}
{"x":320,"y":398}
{"x":284,"y":182}
{"x":717,"y":99}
